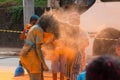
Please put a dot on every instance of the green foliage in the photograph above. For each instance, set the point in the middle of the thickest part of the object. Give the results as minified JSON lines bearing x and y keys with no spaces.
{"x":16,"y":13}
{"x":7,"y":3}
{"x":18,"y":2}
{"x":38,"y":3}
{"x":4,"y":0}
{"x":15,"y":10}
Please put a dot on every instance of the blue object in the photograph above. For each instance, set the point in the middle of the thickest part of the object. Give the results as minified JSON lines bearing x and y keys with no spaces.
{"x":19,"y":71}
{"x":34,"y":18}
{"x":82,"y":76}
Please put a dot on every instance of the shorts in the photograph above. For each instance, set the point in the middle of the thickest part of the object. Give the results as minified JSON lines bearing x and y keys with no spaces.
{"x":58,"y":65}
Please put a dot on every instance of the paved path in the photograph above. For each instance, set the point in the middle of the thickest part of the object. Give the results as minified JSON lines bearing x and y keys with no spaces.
{"x":6,"y":75}
{"x":8,"y":65}
{"x":9,"y":51}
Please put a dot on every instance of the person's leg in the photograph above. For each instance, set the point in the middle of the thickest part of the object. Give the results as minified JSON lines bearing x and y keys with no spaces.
{"x":54,"y":68}
{"x":28,"y":73}
{"x":42,"y":76}
{"x":77,"y":62}
{"x":36,"y":76}
{"x":54,"y":76}
{"x":61,"y":76}
{"x":74,"y":76}
{"x":62,"y":61}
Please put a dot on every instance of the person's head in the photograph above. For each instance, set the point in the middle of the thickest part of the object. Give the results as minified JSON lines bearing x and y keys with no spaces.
{"x":48,"y":23}
{"x":34,"y":19}
{"x":117,"y":47}
{"x":104,"y":68}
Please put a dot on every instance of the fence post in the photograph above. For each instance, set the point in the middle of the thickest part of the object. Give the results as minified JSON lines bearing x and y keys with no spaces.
{"x":28,"y":10}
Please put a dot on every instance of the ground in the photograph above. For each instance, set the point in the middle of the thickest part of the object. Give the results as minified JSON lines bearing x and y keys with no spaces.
{"x":6,"y":75}
{"x":8,"y":63}
{"x":8,"y":66}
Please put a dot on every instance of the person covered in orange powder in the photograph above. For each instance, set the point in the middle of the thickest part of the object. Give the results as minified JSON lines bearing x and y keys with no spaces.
{"x":69,"y":49}
{"x":53,"y":47}
{"x":74,"y":49}
{"x":57,"y":57}
{"x":75,"y":40}
{"x":33,"y":21}
{"x":31,"y":55}
{"x":58,"y":61}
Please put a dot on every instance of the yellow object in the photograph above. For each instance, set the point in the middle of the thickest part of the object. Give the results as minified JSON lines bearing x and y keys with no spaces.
{"x":10,"y":31}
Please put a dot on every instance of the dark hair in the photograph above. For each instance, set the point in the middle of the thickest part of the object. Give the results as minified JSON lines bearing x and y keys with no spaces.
{"x":34,"y":18}
{"x":49,"y":24}
{"x":104,"y":68}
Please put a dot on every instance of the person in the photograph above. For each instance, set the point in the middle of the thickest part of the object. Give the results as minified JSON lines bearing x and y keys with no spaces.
{"x":105,"y":41}
{"x":104,"y":67}
{"x":75,"y":43}
{"x":33,"y":21}
{"x":58,"y":60}
{"x":117,"y":48}
{"x":31,"y":55}
{"x":82,"y":76}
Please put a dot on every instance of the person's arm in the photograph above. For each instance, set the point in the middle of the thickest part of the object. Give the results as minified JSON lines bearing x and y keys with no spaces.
{"x":22,"y":36}
{"x":39,"y":42}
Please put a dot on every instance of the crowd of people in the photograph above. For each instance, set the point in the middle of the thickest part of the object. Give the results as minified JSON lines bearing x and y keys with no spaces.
{"x":60,"y":35}
{"x":104,"y":67}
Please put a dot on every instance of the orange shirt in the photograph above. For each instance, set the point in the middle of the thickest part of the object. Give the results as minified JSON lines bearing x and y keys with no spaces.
{"x":48,"y":37}
{"x":25,"y":31}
